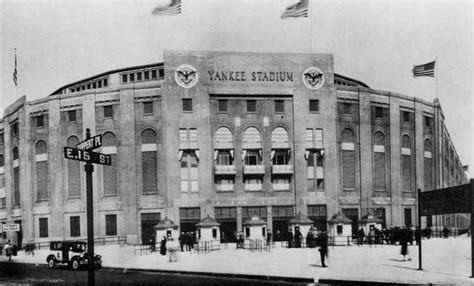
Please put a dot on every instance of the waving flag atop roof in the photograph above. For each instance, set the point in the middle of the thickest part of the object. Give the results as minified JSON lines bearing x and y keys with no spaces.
{"x":296,"y":10}
{"x":171,"y":8}
{"x":424,"y":70}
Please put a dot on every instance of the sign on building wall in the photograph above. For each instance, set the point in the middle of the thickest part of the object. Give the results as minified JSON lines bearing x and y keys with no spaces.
{"x":11,"y":227}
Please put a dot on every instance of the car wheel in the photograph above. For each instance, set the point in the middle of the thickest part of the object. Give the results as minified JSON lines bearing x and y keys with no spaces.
{"x":51,"y":263}
{"x":75,"y":264}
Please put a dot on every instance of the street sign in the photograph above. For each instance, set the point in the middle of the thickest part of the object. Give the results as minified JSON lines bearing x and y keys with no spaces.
{"x":87,"y":156}
{"x":445,"y":201}
{"x":11,"y":227}
{"x":91,"y":143}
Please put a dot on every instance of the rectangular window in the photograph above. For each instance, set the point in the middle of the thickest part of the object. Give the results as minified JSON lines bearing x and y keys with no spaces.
{"x":108,"y":111}
{"x":43,"y":227}
{"x":71,"y":116}
{"x":320,"y":184}
{"x":161,"y":73}
{"x":139,"y":76}
{"x":105,"y":82}
{"x":407,"y":213}
{"x":253,"y":184}
{"x":132,"y":77}
{"x":93,"y":85}
{"x":189,"y":172}
{"x":148,"y":107}
{"x":187,"y":104}
{"x":225,"y":185}
{"x":75,"y":226}
{"x":189,"y":213}
{"x":319,"y":138}
{"x":317,"y":211}
{"x":88,"y":86}
{"x":248,"y":212}
{"x":347,"y":108}
{"x":99,"y":84}
{"x":224,"y":158}
{"x":406,"y":116}
{"x":146,"y":75}
{"x":39,"y":121}
{"x":14,"y":129}
{"x":153,"y":74}
{"x":427,"y":121}
{"x":225,"y":213}
{"x":222,"y":105}
{"x":378,"y":112}
{"x":252,"y":158}
{"x":279,"y":106}
{"x":111,"y":224}
{"x":281,"y":184}
{"x":251,"y":106}
{"x":313,"y":105}
{"x":281,"y":157}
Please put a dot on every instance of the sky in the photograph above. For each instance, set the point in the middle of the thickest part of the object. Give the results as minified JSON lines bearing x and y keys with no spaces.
{"x":375,"y":41}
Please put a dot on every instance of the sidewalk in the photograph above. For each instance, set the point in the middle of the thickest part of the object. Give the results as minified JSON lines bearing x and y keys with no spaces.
{"x":445,"y":262}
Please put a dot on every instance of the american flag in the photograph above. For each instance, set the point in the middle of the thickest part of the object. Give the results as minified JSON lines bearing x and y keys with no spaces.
{"x":296,"y":10}
{"x":174,"y":7}
{"x":15,"y":73}
{"x":424,"y":70}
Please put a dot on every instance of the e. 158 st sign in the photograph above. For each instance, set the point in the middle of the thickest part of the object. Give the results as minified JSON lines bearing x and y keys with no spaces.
{"x":87,"y":156}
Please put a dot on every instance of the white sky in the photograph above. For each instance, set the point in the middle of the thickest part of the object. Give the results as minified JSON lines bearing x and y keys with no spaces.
{"x":377,"y":42}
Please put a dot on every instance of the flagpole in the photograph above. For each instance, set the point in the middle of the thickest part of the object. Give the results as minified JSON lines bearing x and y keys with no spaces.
{"x":16,"y":75}
{"x":436,"y":75}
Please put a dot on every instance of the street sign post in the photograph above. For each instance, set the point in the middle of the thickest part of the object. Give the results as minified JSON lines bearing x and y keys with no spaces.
{"x":83,"y":153}
{"x":87,"y":156}
{"x":91,"y":143}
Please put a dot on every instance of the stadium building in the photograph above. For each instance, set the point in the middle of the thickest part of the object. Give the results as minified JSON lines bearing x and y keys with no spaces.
{"x":224,"y":134}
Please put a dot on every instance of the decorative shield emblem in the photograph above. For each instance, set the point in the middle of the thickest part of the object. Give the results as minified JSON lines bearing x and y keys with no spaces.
{"x":186,"y":76}
{"x":313,"y":78}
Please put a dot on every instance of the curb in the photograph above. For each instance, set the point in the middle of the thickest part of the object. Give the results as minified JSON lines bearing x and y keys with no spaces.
{"x":234,"y":275}
{"x":340,"y":282}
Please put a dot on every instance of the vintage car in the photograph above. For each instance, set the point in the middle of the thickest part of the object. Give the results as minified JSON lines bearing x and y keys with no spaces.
{"x":72,"y":253}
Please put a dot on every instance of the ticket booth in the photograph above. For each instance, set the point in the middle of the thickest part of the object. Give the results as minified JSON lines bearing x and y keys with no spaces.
{"x":255,"y":228}
{"x":301,"y":223}
{"x":340,"y":229}
{"x":208,"y":229}
{"x":369,"y":223}
{"x":167,"y":228}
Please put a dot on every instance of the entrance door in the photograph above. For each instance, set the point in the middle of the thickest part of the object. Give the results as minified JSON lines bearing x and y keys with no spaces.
{"x":280,"y":230}
{"x":19,"y":234}
{"x":149,"y":220}
{"x":228,"y":230}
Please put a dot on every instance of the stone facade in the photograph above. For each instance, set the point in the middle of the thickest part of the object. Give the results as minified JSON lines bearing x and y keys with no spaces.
{"x":233,"y":78}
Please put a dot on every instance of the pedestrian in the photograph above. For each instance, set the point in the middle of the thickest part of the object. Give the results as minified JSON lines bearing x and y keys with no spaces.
{"x":323,"y":247}
{"x":153,"y":243}
{"x":181,"y":240}
{"x":8,"y":250}
{"x":163,"y":246}
{"x":445,"y":232}
{"x":298,"y":237}
{"x":404,"y":237}
{"x":290,"y":238}
{"x":360,"y":236}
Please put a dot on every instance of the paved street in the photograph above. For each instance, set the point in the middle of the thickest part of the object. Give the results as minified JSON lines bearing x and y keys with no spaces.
{"x":19,"y":273}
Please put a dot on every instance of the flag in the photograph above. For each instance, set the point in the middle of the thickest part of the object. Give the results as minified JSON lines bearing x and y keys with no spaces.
{"x":296,"y":10}
{"x":424,"y":70}
{"x":15,"y":76}
{"x":174,"y":7}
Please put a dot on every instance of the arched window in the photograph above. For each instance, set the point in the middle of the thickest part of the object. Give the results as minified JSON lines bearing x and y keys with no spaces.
{"x":73,"y":171}
{"x":379,"y":161}
{"x":427,"y":166}
{"x":406,"y":164}
{"x":149,"y":162}
{"x":280,"y":138}
{"x":223,"y":139}
{"x":110,"y":172}
{"x":41,"y":170}
{"x":348,"y":159}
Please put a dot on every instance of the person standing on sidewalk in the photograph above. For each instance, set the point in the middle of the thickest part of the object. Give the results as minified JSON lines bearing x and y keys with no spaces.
{"x":8,"y":250}
{"x":323,"y":249}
